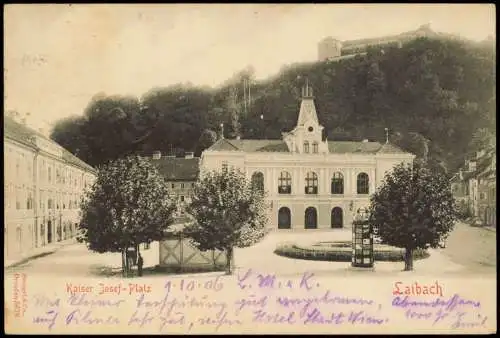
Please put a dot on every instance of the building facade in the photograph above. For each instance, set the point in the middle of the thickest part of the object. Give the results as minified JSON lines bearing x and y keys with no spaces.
{"x":181,"y":174}
{"x":331,"y":49}
{"x":43,"y":186}
{"x":310,"y":182}
{"x":474,"y":187}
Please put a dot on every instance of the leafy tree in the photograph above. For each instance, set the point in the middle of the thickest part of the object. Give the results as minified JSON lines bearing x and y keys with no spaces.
{"x":482,"y":139}
{"x":128,"y":204}
{"x":228,"y":212}
{"x":182,"y":116}
{"x":414,"y":208}
{"x":413,"y":142}
{"x":68,"y":132}
{"x":207,"y":138}
{"x":441,"y":90}
{"x":111,"y":127}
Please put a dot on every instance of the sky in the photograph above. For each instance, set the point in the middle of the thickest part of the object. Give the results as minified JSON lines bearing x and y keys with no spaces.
{"x":57,"y":57}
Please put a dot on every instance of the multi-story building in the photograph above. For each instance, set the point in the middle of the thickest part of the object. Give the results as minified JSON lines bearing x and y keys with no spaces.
{"x":310,"y":182}
{"x":181,"y":174}
{"x":474,"y":186}
{"x":42,"y":190}
{"x":331,"y":49}
{"x":484,"y":177}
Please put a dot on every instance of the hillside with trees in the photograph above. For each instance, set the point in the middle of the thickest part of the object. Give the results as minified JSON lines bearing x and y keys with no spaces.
{"x":433,"y":95}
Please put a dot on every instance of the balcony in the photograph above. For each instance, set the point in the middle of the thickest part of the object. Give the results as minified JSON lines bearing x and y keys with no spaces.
{"x":311,"y":190}
{"x":285,"y":189}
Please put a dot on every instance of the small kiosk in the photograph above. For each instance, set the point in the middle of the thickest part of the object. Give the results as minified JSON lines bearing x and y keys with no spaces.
{"x":362,"y":240}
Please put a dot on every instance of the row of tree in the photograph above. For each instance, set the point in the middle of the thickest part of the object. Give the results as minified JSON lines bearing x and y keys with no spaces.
{"x":431,"y":94}
{"x":130,"y":204}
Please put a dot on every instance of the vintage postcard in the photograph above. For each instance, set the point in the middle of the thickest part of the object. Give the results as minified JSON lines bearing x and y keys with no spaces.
{"x":250,"y":169}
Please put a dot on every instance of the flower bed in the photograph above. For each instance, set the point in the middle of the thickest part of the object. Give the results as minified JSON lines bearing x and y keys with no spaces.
{"x":342,"y":252}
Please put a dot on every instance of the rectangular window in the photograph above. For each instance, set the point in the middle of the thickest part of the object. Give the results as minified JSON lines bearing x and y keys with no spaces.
{"x":306,"y":147}
{"x":311,"y":183}
{"x":182,"y":185}
{"x":173,"y":185}
{"x":182,"y":198}
{"x":18,"y":198}
{"x":285,"y":183}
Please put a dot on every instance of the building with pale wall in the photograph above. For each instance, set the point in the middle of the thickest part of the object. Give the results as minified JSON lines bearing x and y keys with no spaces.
{"x":43,"y":186}
{"x":181,"y":174}
{"x":474,"y":186}
{"x":332,"y":49}
{"x":329,"y":48}
{"x":310,"y":182}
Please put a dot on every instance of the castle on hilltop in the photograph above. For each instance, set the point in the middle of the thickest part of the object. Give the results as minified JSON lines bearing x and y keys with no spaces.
{"x":330,"y":48}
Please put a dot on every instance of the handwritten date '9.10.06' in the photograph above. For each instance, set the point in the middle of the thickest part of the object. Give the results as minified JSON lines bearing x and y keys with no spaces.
{"x":255,"y":298}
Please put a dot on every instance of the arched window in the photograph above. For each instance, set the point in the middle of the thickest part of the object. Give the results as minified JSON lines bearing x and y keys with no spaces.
{"x":306,"y":147}
{"x":311,"y":183}
{"x":337,"y":217}
{"x":337,"y":184}
{"x":284,"y":218}
{"x":258,"y":181}
{"x":311,"y":218}
{"x":315,"y":147}
{"x":285,"y":183}
{"x":363,"y":183}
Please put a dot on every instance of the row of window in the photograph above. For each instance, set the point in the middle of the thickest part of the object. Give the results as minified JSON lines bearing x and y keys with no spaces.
{"x":24,"y":171}
{"x":182,"y":185}
{"x":20,"y":198}
{"x":314,"y":147}
{"x":311,"y":183}
{"x":310,"y":218}
{"x":23,"y":167}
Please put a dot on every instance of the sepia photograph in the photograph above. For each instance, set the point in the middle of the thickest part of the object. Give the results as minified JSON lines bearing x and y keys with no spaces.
{"x":250,"y":169}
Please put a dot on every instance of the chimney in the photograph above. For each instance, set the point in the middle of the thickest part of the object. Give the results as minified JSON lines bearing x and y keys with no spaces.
{"x":222,"y":130}
{"x":156,"y":155}
{"x":189,"y":155}
{"x":238,"y":137}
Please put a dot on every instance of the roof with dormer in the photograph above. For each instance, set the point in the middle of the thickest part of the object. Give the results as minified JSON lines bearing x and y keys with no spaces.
{"x":334,"y":147}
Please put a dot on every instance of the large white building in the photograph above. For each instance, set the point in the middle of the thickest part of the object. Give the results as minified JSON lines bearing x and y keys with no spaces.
{"x":310,"y":182}
{"x":43,"y":185}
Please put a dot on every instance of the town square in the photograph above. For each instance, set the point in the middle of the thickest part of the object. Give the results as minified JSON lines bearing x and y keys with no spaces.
{"x":250,"y":168}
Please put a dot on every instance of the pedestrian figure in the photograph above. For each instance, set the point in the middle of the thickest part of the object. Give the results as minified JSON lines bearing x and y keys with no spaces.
{"x":140,"y":262}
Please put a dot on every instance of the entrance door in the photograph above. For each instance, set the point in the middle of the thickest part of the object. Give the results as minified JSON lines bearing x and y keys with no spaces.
{"x":284,"y":221}
{"x":337,"y":221}
{"x":311,"y":218}
{"x":487,"y":216}
{"x":49,"y":232}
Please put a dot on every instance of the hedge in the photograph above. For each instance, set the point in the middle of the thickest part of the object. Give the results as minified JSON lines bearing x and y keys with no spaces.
{"x":342,"y":252}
